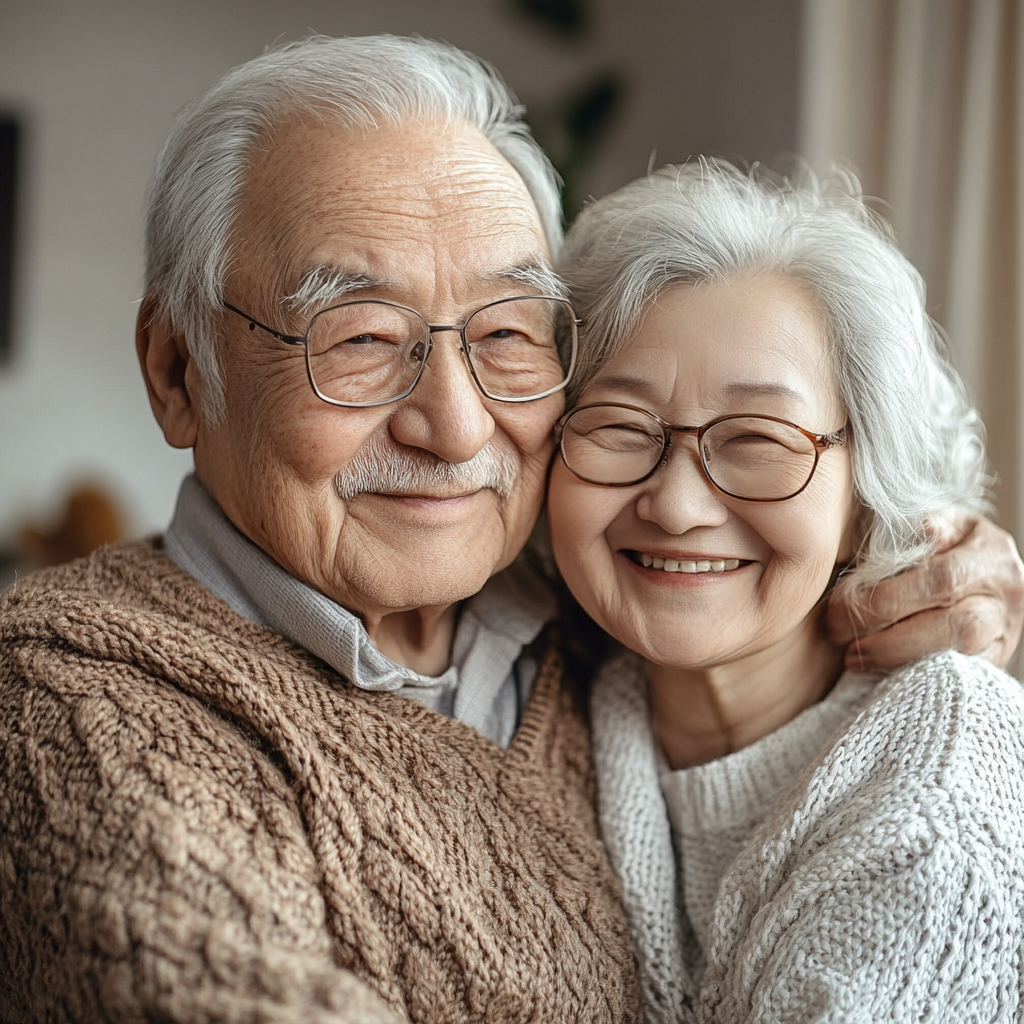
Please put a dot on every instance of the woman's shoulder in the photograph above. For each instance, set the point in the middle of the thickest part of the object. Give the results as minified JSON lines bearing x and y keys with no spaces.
{"x":945,"y":734}
{"x":950,"y":668}
{"x":965,"y":690}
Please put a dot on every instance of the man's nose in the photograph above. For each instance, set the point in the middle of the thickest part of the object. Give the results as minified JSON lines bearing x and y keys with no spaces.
{"x":445,"y":413}
{"x":679,"y":497}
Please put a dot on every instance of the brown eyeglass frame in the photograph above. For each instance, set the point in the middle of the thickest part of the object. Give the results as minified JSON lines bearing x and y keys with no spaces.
{"x":821,"y":443}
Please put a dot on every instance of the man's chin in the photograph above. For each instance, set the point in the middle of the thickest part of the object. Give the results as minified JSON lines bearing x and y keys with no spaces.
{"x":438,"y":567}
{"x":414,"y":551}
{"x":436,"y":589}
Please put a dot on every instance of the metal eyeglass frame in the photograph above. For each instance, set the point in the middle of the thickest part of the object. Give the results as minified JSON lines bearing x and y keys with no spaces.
{"x":821,"y":442}
{"x":431,"y":330}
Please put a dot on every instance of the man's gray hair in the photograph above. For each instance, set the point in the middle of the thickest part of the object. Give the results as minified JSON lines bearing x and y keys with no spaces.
{"x":917,"y":445}
{"x":359,"y":82}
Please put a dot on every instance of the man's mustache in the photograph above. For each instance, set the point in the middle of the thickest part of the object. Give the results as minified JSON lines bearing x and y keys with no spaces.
{"x":382,"y":467}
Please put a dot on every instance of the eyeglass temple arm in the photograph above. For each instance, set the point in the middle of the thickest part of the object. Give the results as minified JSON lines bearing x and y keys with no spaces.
{"x":288,"y":339}
{"x":836,"y":440}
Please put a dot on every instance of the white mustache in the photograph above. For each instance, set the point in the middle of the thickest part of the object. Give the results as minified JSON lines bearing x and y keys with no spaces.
{"x":381,"y":467}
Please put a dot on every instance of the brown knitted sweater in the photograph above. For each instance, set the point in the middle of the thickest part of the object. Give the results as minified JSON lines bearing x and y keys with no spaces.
{"x":199,"y":821}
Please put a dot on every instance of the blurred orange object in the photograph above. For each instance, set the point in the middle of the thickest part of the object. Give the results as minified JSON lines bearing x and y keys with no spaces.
{"x":91,"y":519}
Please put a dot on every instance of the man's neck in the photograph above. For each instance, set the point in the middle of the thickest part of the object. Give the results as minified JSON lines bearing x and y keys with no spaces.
{"x":419,"y":639}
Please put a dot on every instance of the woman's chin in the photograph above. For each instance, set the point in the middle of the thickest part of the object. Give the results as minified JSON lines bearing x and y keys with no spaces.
{"x":699,"y":644}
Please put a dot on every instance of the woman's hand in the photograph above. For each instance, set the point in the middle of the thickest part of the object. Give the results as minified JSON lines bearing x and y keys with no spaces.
{"x":969,"y":596}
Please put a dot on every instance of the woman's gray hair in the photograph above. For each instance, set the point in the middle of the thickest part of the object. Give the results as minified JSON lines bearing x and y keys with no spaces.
{"x":359,"y":82}
{"x":917,"y":445}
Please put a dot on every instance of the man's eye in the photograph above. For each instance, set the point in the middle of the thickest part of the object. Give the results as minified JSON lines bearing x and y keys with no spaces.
{"x":504,"y":334}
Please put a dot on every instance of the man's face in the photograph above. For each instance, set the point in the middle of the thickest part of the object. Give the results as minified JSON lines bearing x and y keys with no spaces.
{"x":433,"y":218}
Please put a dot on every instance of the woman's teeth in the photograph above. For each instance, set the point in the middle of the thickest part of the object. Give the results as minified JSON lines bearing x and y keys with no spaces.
{"x":685,"y":565}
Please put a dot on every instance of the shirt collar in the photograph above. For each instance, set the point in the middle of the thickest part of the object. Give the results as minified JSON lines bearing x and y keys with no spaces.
{"x":494,"y":625}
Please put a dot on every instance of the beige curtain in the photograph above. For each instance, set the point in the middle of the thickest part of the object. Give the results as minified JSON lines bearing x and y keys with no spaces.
{"x":926,"y":97}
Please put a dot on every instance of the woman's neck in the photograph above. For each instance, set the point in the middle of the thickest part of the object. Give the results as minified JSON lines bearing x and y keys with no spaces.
{"x":704,"y":713}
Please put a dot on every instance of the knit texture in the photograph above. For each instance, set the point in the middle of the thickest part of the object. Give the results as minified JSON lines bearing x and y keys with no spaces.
{"x":714,"y":808}
{"x":489,"y":678}
{"x":883,"y":882}
{"x":200,"y":821}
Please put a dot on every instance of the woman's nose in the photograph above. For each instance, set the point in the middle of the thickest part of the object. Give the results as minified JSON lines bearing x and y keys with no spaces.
{"x":679,"y":496}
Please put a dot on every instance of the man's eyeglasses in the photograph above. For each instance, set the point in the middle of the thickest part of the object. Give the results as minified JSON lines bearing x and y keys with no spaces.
{"x":755,"y":458}
{"x":371,"y":352}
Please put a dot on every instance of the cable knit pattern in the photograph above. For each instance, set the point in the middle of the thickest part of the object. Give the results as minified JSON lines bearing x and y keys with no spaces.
{"x":884,"y":882}
{"x":199,"y":821}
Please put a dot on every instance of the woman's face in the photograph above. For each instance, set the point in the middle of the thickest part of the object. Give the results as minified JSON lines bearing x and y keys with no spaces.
{"x":753,"y":344}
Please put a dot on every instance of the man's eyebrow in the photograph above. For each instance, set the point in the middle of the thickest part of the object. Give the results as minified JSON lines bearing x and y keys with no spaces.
{"x":535,"y":273}
{"x":321,"y":285}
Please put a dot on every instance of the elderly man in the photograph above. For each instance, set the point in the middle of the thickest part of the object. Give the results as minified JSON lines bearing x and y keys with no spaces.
{"x":283,"y":764}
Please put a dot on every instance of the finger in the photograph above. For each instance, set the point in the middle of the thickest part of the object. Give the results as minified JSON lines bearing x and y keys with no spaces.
{"x":973,"y":626}
{"x":948,"y":528}
{"x":940,"y":582}
{"x":997,"y":570}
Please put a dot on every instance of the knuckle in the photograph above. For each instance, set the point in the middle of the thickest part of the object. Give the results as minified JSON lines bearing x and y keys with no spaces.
{"x":971,"y":628}
{"x":889,"y":600}
{"x":1015,"y":566}
{"x":945,"y":577}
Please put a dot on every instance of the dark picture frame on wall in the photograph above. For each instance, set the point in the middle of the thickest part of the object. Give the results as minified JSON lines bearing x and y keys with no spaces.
{"x":10,"y":138}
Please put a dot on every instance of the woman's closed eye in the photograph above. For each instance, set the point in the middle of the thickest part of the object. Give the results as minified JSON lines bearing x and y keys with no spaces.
{"x":621,"y":438}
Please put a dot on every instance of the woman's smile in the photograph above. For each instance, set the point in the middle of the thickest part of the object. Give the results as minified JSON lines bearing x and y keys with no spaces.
{"x":685,"y":563}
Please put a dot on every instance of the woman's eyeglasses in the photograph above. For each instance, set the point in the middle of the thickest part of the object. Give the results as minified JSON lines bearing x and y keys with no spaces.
{"x":755,"y":458}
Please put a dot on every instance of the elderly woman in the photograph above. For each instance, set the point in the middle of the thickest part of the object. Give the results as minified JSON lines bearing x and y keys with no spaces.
{"x":764,"y":413}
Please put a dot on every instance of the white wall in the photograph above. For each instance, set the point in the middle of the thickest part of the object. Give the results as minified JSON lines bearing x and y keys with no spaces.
{"x":99,"y":82}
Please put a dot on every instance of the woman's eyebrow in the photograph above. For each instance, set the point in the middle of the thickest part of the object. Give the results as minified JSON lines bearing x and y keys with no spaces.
{"x":640,"y":386}
{"x":646,"y":389}
{"x":764,"y":389}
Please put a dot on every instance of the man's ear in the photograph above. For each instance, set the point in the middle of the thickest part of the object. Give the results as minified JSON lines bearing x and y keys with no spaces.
{"x":165,"y":362}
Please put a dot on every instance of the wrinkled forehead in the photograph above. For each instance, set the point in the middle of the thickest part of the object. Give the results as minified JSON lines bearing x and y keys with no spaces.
{"x":424,"y":200}
{"x":750,"y":341}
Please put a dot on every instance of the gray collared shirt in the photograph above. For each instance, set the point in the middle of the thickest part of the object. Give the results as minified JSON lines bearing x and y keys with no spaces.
{"x":489,"y":678}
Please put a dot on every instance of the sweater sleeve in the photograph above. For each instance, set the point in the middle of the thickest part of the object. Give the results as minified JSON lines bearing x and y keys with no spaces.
{"x":891,"y":887}
{"x":152,"y":866}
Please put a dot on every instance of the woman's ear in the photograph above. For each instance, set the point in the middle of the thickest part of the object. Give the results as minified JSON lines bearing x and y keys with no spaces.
{"x":857,"y":520}
{"x":165,"y":362}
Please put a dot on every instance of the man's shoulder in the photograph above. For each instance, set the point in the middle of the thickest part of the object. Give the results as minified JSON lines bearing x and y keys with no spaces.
{"x":117,"y":571}
{"x":133,"y":580}
{"x":126,"y":605}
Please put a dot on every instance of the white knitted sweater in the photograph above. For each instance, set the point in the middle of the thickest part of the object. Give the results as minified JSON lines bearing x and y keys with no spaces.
{"x":864,"y":863}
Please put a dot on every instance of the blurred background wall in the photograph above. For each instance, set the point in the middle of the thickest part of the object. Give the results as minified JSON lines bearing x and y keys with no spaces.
{"x":903,"y":87}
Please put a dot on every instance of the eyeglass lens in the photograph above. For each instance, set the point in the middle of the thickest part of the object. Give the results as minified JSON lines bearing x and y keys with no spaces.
{"x":368,"y":352}
{"x":748,"y":457}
